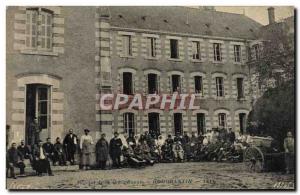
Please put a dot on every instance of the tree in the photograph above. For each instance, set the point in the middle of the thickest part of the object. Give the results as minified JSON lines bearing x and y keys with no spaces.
{"x":274,"y":113}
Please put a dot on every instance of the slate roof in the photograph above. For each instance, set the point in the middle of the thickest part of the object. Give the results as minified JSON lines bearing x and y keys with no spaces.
{"x":184,"y":20}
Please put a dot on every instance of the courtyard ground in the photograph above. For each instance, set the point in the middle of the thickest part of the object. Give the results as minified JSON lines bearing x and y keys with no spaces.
{"x":193,"y":175}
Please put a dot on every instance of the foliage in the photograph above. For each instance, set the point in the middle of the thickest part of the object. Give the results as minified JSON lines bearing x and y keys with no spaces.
{"x":274,"y":113}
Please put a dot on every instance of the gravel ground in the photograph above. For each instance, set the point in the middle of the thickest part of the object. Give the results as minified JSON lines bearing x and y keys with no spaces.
{"x":193,"y":175}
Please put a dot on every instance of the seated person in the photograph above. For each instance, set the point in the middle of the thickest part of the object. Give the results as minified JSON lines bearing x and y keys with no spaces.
{"x":132,"y":159}
{"x":178,"y":151}
{"x":59,"y":154}
{"x":167,"y":153}
{"x":14,"y":158}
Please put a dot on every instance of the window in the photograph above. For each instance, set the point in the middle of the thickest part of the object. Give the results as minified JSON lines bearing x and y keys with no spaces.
{"x":222,"y":120}
{"x":31,"y":28}
{"x":240,"y":88}
{"x":220,"y":86}
{"x":127,"y":45}
{"x":237,"y":53}
{"x":198,"y":84}
{"x":127,"y":83}
{"x":196,"y":50}
{"x":151,"y":45}
{"x":46,"y":33}
{"x":242,"y":120}
{"x":217,"y":52}
{"x":153,"y":123}
{"x":176,"y":84}
{"x":39,"y":32}
{"x":153,"y":84}
{"x":256,"y":51}
{"x":201,"y":123}
{"x":129,"y":125}
{"x":174,"y":48}
{"x":178,"y":123}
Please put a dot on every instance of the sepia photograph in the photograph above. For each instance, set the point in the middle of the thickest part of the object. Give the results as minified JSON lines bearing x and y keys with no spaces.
{"x":150,"y":98}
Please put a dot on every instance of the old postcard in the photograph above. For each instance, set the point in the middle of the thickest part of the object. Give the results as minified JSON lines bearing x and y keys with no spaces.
{"x":150,"y":98}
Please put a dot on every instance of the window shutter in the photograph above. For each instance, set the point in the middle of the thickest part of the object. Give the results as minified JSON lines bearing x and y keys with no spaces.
{"x":170,"y":84}
{"x":121,"y":82}
{"x":182,"y":88}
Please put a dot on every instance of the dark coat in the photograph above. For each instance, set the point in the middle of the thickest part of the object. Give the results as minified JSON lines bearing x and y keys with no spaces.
{"x":115,"y":147}
{"x":69,"y":142}
{"x":231,"y":137}
{"x":13,"y":156}
{"x":36,"y":152}
{"x":49,"y":148}
{"x":102,"y":150}
{"x":25,"y":151}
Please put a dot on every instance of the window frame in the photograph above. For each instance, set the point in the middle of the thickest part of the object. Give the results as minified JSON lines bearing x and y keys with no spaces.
{"x":129,"y":117}
{"x":201,"y":84}
{"x":196,"y":50}
{"x":237,"y":51}
{"x":127,"y":45}
{"x":222,"y":118}
{"x":217,"y":47}
{"x":242,"y":95}
{"x":131,"y":86}
{"x":29,"y":26}
{"x":220,"y":91}
{"x":172,"y":43}
{"x":151,"y":47}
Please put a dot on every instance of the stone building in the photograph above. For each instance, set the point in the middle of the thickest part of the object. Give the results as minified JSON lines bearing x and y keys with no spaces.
{"x":61,"y":59}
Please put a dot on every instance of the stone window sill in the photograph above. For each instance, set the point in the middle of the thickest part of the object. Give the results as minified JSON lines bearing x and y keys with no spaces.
{"x":196,"y":60}
{"x":151,"y":58}
{"x":175,"y":59}
{"x":39,"y":52}
{"x":123,"y":56}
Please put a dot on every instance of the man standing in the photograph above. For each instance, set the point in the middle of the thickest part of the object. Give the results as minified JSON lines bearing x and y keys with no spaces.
{"x":115,"y":150}
{"x":41,"y":162}
{"x":14,"y":158}
{"x":231,"y":136}
{"x":49,"y":149}
{"x":86,"y":142}
{"x":70,"y":143}
{"x":35,"y":130}
{"x":289,"y":152}
{"x":102,"y":152}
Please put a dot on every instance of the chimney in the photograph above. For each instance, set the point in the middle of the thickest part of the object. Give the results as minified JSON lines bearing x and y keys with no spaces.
{"x":271,"y":13}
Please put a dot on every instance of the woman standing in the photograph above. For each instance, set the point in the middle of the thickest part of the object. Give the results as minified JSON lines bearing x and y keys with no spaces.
{"x":86,"y":142}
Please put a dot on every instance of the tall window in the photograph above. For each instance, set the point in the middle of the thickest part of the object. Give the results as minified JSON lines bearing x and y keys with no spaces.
{"x":153,"y":84}
{"x":127,"y":45}
{"x":31,"y":28}
{"x":174,"y":48}
{"x":39,"y":32}
{"x":196,"y":50}
{"x":240,"y":88}
{"x":256,"y":51}
{"x":127,"y":83}
{"x":220,"y":86}
{"x":46,"y":33}
{"x":242,"y":120}
{"x":129,"y":125}
{"x":176,"y":84}
{"x":151,"y":44}
{"x":201,"y":123}
{"x":198,"y":84}
{"x":237,"y":53}
{"x":222,"y":120}
{"x":217,"y":52}
{"x":177,"y":123}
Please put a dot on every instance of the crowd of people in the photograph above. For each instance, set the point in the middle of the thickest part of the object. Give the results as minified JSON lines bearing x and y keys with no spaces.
{"x":128,"y":151}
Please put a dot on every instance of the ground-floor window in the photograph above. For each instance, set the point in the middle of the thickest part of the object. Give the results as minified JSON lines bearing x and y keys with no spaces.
{"x":153,"y":122}
{"x":242,"y":121}
{"x":127,"y":83}
{"x":153,"y":84}
{"x":222,"y":120}
{"x":38,"y":107}
{"x":176,"y":84}
{"x":129,"y":125}
{"x":178,"y":123}
{"x":201,"y":123}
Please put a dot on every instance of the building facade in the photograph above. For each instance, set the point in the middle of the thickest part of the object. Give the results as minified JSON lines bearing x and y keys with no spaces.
{"x":60,"y":60}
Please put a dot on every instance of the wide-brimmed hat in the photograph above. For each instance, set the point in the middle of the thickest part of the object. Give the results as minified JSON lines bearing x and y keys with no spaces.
{"x":116,"y":133}
{"x":86,"y":130}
